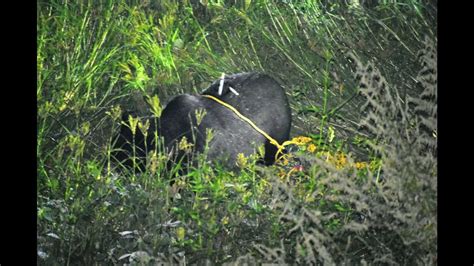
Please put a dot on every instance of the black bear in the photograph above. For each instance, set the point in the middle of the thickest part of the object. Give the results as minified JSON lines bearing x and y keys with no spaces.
{"x":256,"y":96}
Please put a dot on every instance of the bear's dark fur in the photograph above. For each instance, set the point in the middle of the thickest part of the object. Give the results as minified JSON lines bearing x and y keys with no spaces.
{"x":260,"y":98}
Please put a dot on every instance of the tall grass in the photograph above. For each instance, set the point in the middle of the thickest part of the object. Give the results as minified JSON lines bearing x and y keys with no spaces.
{"x":361,"y":80}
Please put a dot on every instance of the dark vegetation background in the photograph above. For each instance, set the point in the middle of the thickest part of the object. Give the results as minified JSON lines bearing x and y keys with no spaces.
{"x":361,"y":77}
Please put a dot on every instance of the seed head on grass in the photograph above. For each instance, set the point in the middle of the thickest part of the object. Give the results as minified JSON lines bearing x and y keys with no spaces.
{"x":153,"y":162}
{"x":185,"y":146}
{"x":241,"y":161}
{"x":225,"y":220}
{"x":132,"y":124}
{"x":115,"y":112}
{"x":200,"y":114}
{"x":144,"y":127}
{"x":155,"y":106}
{"x":180,"y":233}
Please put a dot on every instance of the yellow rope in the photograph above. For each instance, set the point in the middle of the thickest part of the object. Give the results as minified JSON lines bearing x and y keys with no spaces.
{"x":252,"y":124}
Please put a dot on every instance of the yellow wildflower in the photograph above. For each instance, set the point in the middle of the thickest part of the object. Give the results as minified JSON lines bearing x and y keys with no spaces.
{"x":341,"y":160}
{"x":312,"y":148}
{"x":360,"y":165}
{"x":301,"y":140}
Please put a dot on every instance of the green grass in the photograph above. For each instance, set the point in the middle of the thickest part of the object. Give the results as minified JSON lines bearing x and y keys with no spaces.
{"x":97,"y":59}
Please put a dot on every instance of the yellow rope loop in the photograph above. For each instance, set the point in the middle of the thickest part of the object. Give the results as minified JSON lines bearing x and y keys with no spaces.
{"x":252,"y":124}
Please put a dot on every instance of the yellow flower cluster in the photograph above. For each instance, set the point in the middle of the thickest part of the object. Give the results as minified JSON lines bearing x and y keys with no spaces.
{"x":339,"y":159}
{"x":360,"y":165}
{"x":301,"y":140}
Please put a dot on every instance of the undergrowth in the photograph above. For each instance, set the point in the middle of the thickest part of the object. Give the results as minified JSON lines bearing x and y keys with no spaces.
{"x":358,"y":188}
